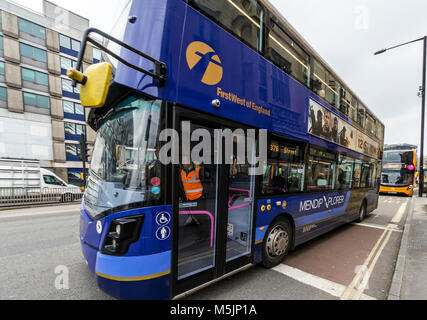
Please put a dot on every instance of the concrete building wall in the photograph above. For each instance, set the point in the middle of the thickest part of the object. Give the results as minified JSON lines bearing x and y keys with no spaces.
{"x":11,"y":50}
{"x":53,"y":63}
{"x":52,"y":40}
{"x":58,"y":132}
{"x":55,"y":86}
{"x":13,"y":76}
{"x":56,"y":109}
{"x":15,"y":101}
{"x":10,"y":24}
{"x":59,"y":154}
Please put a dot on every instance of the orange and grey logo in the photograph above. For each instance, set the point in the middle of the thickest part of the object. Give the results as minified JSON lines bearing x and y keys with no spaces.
{"x":198,"y":51}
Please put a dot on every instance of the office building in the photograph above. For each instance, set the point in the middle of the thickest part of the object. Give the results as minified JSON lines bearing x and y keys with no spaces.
{"x":40,"y":114}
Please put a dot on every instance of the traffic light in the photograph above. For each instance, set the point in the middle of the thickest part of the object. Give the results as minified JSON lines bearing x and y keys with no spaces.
{"x":84,"y":151}
{"x":83,"y":155}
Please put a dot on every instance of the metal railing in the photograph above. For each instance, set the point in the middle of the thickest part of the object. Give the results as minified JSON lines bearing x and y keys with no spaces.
{"x":11,"y":197}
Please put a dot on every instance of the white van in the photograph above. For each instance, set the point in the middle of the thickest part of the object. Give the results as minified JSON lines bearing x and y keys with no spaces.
{"x":24,"y":180}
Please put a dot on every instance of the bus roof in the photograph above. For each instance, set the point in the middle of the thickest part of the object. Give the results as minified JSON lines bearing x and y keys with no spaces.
{"x":401,"y":147}
{"x":302,"y":42}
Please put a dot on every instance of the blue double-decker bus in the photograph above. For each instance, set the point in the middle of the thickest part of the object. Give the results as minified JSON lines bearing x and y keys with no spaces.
{"x":152,"y":229}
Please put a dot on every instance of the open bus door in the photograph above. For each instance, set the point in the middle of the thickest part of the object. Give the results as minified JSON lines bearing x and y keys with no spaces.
{"x":214,"y":233}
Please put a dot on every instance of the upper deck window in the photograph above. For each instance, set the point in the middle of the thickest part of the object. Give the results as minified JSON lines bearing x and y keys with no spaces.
{"x":361,"y":115}
{"x":325,"y":85}
{"x":287,"y":54}
{"x":353,"y":108}
{"x":243,"y":18}
{"x":370,"y":124}
{"x":380,"y":131}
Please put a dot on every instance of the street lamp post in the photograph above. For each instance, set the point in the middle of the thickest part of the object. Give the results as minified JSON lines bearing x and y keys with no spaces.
{"x":423,"y":92}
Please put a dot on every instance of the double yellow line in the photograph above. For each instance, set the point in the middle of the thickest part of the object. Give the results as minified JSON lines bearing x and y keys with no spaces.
{"x":356,"y":288}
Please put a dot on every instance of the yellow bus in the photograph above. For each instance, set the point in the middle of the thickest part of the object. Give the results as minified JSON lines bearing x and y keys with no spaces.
{"x":399,"y":170}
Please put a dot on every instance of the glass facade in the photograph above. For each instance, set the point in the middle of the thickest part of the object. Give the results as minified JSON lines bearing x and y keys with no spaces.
{"x":35,"y":100}
{"x":33,"y":53}
{"x":67,"y":86}
{"x":74,"y":129}
{"x":35,"y":76}
{"x":32,"y":29}
{"x":67,"y":63}
{"x":3,"y":94}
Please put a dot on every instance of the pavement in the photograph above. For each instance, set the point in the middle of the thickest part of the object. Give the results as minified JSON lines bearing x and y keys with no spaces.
{"x":410,"y":280}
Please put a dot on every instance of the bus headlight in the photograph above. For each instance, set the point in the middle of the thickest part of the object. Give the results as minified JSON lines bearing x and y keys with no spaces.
{"x":123,"y":232}
{"x":118,"y":229}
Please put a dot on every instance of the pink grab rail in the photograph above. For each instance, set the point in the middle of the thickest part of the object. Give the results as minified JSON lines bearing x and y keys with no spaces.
{"x":204,"y":213}
{"x":211,"y":217}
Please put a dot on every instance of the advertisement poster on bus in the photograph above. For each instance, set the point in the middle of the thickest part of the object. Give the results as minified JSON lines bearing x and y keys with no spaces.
{"x":367,"y":146}
{"x":326,"y":125}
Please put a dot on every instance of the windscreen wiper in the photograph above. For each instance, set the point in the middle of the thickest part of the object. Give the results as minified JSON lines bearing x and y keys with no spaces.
{"x":112,"y":112}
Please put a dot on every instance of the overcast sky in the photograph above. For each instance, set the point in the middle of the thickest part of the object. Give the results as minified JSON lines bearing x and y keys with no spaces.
{"x":346,"y":34}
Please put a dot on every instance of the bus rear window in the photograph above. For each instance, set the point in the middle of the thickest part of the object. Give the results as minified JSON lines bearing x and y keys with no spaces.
{"x":240,"y":17}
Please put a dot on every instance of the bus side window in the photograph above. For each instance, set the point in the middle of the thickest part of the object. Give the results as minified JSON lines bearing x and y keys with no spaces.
{"x":364,"y":179}
{"x":285,"y":169}
{"x":357,"y":174}
{"x":344,"y":175}
{"x":321,"y":170}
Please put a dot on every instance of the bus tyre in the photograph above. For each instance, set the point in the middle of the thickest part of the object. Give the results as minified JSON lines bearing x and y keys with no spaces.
{"x":277,"y":243}
{"x":362,"y":212}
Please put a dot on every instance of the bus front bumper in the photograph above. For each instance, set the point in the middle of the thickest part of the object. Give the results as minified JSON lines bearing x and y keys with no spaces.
{"x":131,"y":278}
{"x":409,"y":191}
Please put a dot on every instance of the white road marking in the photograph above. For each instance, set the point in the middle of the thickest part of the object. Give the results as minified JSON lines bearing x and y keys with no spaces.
{"x":365,"y":282}
{"x":332,"y":288}
{"x":355,"y":290}
{"x":349,"y":291}
{"x":375,"y":226}
{"x":399,"y":215}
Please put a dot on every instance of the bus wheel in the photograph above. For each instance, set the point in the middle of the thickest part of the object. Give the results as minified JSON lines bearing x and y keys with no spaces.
{"x":277,"y":243}
{"x":362,"y":212}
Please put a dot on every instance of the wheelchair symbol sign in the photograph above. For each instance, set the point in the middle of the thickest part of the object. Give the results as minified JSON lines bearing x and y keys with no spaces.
{"x":163,"y":218}
{"x":163,"y":233}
